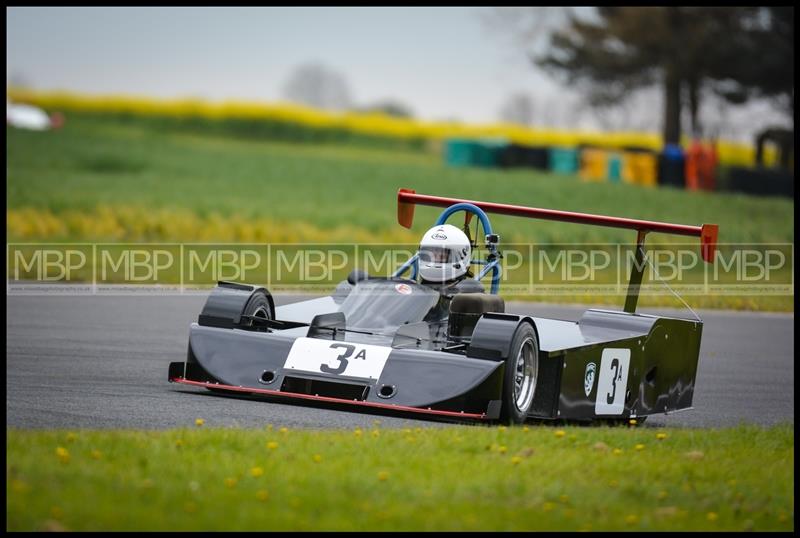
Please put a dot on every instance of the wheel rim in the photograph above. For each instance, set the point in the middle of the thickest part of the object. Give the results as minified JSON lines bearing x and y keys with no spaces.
{"x":261,"y":312}
{"x":525,"y":375}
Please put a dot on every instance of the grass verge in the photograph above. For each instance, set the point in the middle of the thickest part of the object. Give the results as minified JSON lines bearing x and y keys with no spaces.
{"x":102,"y":179}
{"x":456,"y":478}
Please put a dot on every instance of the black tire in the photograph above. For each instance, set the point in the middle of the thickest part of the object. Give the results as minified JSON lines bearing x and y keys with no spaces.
{"x":258,"y":305}
{"x":521,"y":375}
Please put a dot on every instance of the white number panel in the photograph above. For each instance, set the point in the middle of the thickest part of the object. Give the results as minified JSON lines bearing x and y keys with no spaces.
{"x":612,"y":383}
{"x":337,"y":357}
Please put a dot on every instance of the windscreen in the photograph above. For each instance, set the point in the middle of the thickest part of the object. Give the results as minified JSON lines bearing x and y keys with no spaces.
{"x":387,"y":304}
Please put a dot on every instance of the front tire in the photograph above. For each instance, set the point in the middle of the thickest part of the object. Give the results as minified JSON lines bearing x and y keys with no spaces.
{"x":521,"y":375}
{"x":258,"y":306}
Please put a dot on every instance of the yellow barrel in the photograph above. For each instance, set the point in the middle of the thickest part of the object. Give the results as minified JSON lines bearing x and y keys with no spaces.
{"x":640,"y":168}
{"x":594,"y":165}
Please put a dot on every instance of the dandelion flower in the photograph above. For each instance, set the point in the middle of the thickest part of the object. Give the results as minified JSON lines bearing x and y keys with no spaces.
{"x":661,"y":436}
{"x":617,"y":451}
{"x":255,"y":472}
{"x":199,"y":422}
{"x":62,"y":454}
{"x":525,"y":428}
{"x":317,"y":458}
{"x":179,"y":443}
{"x":272,"y":445}
{"x":71,"y":437}
{"x":639,"y":447}
{"x":376,"y":433}
{"x":515,"y":460}
{"x":357,"y":432}
{"x":560,"y":433}
{"x":712,"y":516}
{"x":632,"y":422}
{"x":284,"y":430}
{"x":262,"y":495}
{"x":502,"y":449}
{"x":383,"y":476}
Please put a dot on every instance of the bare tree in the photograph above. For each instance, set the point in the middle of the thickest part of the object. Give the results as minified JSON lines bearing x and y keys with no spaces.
{"x":315,"y":85}
{"x":518,"y":108}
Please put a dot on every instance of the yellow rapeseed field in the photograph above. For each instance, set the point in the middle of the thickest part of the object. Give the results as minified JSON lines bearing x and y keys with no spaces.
{"x":134,"y":223}
{"x":375,"y":124}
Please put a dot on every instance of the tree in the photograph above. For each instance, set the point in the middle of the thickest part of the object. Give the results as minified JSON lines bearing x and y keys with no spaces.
{"x":683,"y":49}
{"x":518,"y":108}
{"x":318,"y":86}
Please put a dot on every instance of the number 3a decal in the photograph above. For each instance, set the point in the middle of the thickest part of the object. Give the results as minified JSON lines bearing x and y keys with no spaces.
{"x":610,"y":396}
{"x":613,"y":381}
{"x":348,"y":350}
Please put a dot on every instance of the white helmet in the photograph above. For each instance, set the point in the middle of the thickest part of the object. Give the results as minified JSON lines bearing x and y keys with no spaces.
{"x":444,"y":254}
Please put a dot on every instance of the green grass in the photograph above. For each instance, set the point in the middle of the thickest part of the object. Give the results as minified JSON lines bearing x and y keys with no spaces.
{"x":104,"y":179}
{"x":98,"y":162}
{"x":457,"y":478}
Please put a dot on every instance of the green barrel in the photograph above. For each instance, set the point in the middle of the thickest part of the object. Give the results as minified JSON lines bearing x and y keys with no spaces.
{"x":460,"y":152}
{"x":614,"y":167}
{"x":563,"y":160}
{"x":488,"y":152}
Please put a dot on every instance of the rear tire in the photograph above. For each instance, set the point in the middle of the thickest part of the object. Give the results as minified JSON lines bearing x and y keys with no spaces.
{"x":520,"y":376}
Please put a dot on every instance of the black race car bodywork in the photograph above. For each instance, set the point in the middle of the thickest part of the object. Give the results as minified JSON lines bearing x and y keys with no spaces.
{"x":450,"y":350}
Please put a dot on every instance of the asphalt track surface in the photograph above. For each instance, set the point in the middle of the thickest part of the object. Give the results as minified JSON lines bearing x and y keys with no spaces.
{"x":101,"y":362}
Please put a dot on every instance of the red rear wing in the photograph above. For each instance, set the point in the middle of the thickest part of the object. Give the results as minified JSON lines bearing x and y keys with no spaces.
{"x":406,"y":198}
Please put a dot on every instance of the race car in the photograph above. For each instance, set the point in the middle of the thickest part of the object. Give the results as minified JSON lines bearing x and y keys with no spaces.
{"x":436,"y":344}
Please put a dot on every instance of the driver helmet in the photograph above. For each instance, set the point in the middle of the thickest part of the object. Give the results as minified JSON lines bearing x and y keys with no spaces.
{"x":444,"y":254}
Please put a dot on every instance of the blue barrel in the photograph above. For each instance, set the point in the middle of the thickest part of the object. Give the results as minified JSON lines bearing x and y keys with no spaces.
{"x":671,"y":166}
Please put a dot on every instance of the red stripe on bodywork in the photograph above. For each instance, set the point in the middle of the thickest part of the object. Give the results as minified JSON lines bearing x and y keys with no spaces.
{"x":404,"y":408}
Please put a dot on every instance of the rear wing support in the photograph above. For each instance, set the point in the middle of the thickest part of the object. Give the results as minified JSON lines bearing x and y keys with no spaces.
{"x":408,"y":198}
{"x":637,"y":271}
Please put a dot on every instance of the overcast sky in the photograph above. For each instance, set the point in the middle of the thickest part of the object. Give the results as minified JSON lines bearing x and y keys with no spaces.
{"x":441,"y":62}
